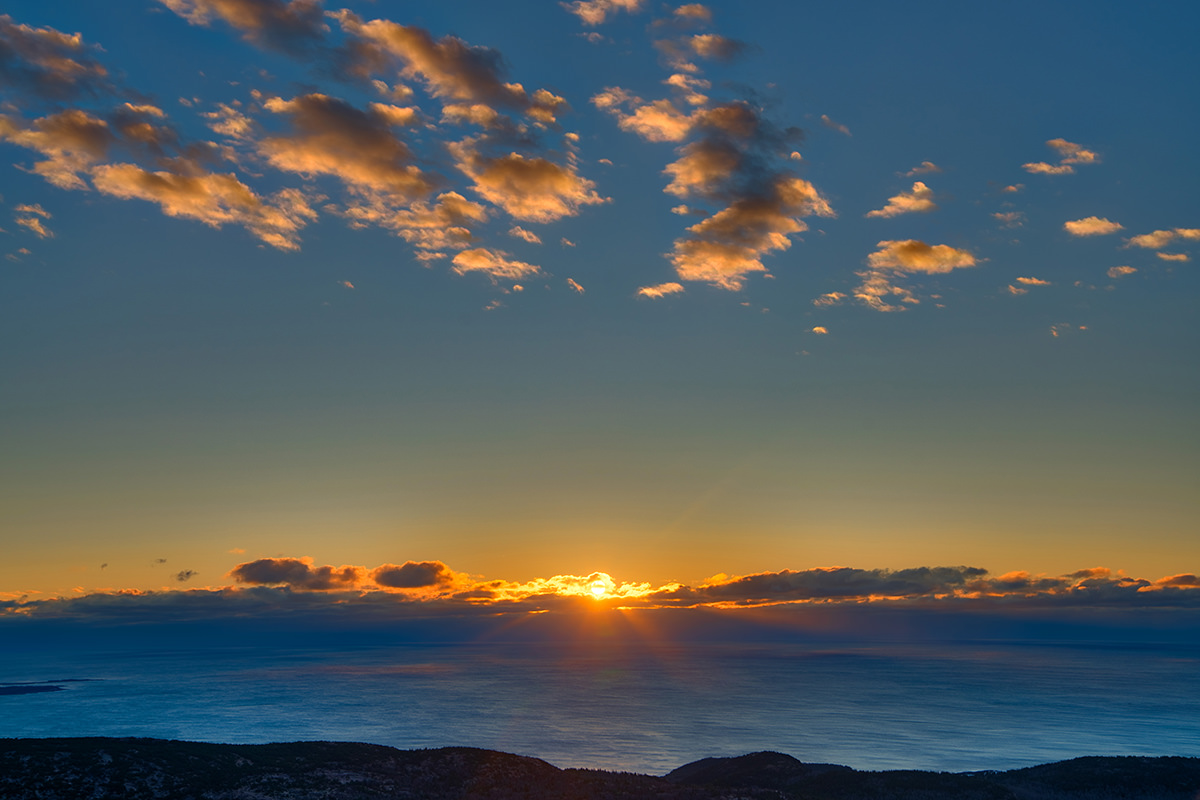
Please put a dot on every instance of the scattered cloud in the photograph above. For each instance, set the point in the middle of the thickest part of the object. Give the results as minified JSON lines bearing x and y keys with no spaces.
{"x":660,"y":290}
{"x":213,"y":199}
{"x":820,"y":329}
{"x":657,"y":121}
{"x":1009,"y":219}
{"x":430,"y":578}
{"x":294,"y":27}
{"x":835,"y":126}
{"x":912,"y":255}
{"x":919,"y":199}
{"x":694,"y":11}
{"x":596,"y":12}
{"x":529,"y":189}
{"x":183,"y":576}
{"x":494,"y":263}
{"x":1173,"y":256}
{"x":1160,"y":239}
{"x":32,"y":218}
{"x":830,"y":299}
{"x":1092,"y":226}
{"x":924,"y":168}
{"x":358,"y":147}
{"x":518,"y":232}
{"x":1069,"y":155}
{"x":1033,"y":282}
{"x":297,"y":573}
{"x":1120,"y":272}
{"x":894,"y":260}
{"x":46,"y":64}
{"x":574,"y":286}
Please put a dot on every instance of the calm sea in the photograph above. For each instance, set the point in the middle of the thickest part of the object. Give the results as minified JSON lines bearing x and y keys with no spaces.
{"x":648,"y":710}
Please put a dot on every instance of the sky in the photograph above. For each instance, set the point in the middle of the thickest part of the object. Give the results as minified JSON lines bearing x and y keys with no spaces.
{"x":499,"y":306}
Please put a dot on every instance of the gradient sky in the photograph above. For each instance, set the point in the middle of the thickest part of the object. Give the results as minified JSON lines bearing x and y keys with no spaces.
{"x":535,"y":289}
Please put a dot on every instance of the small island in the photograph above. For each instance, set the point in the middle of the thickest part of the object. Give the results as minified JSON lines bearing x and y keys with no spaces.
{"x":74,"y":768}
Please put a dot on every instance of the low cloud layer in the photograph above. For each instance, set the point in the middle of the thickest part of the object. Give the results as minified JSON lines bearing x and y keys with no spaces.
{"x":269,"y":586}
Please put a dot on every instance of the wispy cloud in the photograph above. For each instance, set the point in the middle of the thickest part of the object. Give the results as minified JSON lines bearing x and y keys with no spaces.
{"x":1069,"y":155}
{"x":924,"y":168}
{"x":47,"y":64}
{"x":596,"y":12}
{"x":660,"y":290}
{"x":496,"y":264}
{"x":835,"y":126}
{"x":33,"y":218}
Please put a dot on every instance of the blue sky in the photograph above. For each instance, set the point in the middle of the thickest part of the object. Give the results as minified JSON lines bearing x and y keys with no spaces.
{"x":873,"y":341}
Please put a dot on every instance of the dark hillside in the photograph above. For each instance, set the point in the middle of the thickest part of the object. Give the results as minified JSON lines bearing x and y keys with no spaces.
{"x":154,"y":769}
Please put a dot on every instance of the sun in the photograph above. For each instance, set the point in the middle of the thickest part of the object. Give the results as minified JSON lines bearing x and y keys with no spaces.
{"x":598,"y":589}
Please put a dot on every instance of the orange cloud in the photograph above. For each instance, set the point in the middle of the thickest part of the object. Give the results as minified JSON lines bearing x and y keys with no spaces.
{"x":431,"y":228}
{"x":1159,"y":239}
{"x":287,"y":26}
{"x":449,"y":67}
{"x":660,"y":290}
{"x":912,"y":255}
{"x":659,"y":121}
{"x":529,"y":189}
{"x":894,"y":259}
{"x":1092,"y":226}
{"x":1042,"y":168}
{"x":357,"y":147}
{"x":71,"y":140}
{"x":211,"y":198}
{"x":1120,"y":272}
{"x":493,"y":263}
{"x":47,"y":63}
{"x":1173,"y":256}
{"x":830,"y":299}
{"x":520,"y":233}
{"x":31,"y":218}
{"x":1033,"y":282}
{"x":917,"y":200}
{"x":726,"y":247}
{"x":1069,"y":153}
{"x":595,"y":12}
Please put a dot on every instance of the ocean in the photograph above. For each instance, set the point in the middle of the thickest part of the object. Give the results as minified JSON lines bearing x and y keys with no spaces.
{"x":643,"y":709}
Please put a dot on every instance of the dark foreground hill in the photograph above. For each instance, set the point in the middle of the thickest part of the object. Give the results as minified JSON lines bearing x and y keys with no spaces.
{"x":95,"y":768}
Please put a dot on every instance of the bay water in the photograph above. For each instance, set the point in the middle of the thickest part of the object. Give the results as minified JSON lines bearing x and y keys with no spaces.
{"x":645,"y":709}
